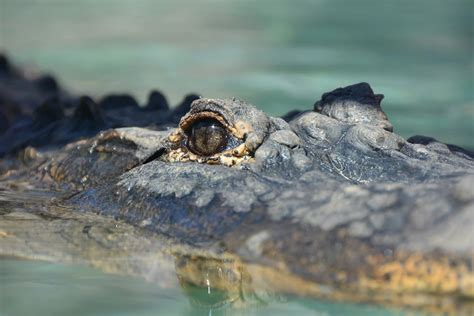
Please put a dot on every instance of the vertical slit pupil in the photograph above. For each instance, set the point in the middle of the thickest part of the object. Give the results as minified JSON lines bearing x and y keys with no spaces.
{"x":207,"y":137}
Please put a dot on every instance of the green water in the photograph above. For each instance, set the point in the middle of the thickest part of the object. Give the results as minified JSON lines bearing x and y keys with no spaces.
{"x":40,"y":288}
{"x":277,"y":54}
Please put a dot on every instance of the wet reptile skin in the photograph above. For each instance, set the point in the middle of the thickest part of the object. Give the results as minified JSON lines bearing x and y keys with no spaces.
{"x":330,"y":200}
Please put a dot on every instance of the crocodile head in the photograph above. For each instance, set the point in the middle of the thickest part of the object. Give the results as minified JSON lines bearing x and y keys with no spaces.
{"x":330,"y":197}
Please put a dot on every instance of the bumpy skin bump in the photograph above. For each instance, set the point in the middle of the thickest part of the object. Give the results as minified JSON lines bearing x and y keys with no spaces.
{"x":354,"y":104}
{"x":330,"y":204}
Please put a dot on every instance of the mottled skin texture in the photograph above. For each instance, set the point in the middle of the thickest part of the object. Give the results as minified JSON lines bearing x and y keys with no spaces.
{"x":331,"y":203}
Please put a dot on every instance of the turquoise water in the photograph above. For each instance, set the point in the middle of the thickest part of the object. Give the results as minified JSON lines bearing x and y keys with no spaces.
{"x":41,"y":288}
{"x":277,"y":54}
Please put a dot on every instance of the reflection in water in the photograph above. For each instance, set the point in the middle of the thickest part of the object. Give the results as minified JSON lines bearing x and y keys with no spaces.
{"x":215,"y":283}
{"x":208,"y":282}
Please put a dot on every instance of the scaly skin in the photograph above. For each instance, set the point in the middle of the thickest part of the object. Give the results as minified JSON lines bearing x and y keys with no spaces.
{"x":330,"y":204}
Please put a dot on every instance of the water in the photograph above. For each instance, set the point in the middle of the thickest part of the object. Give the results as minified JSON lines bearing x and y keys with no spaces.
{"x":278,"y":54}
{"x":42,"y":288}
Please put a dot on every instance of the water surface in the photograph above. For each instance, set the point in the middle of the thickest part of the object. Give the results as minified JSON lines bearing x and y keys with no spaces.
{"x":42,"y":288}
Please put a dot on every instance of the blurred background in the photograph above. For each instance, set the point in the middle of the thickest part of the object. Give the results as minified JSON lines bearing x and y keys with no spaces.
{"x":277,"y":54}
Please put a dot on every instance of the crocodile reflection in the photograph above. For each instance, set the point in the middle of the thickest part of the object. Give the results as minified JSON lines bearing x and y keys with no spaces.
{"x":208,"y":282}
{"x":222,"y":282}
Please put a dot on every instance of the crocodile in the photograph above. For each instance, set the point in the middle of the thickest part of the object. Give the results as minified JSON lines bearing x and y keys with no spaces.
{"x":328,"y":202}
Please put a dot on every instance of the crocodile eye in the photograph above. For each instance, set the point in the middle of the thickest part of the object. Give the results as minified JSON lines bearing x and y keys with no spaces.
{"x":207,"y":137}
